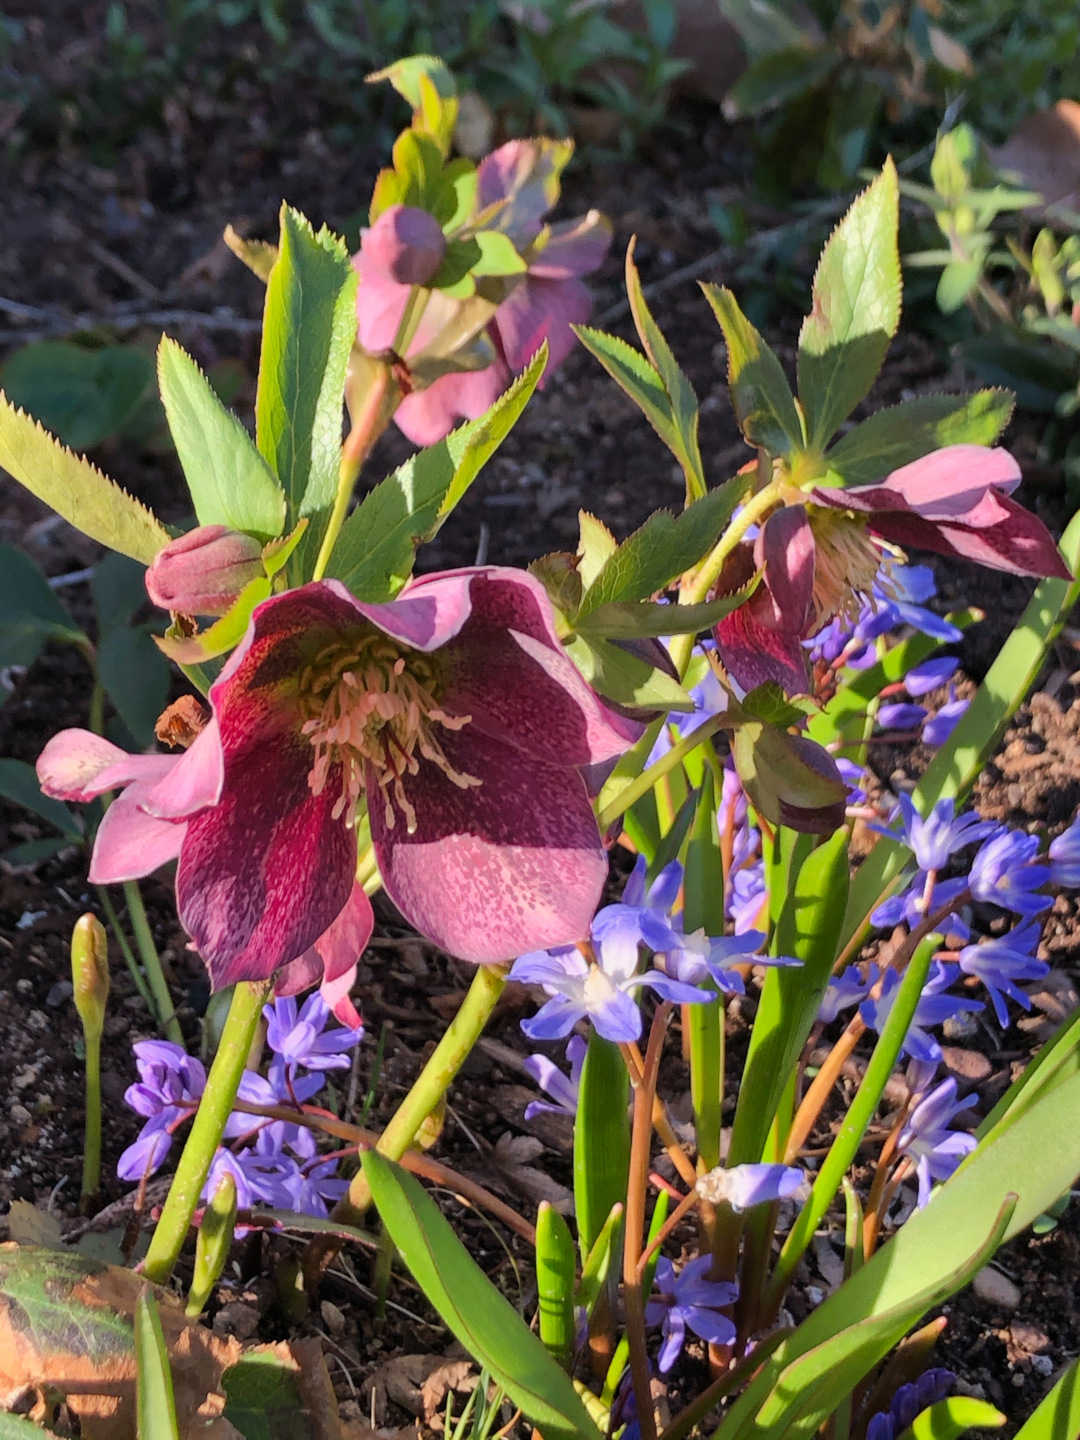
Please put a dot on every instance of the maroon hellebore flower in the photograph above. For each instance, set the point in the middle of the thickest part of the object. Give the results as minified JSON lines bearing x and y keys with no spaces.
{"x":820,"y":557}
{"x":522,"y":178}
{"x":453,"y":707}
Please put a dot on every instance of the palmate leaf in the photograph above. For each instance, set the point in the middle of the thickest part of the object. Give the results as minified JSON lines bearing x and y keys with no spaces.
{"x":75,"y":489}
{"x":856,"y":309}
{"x":480,"y":1317}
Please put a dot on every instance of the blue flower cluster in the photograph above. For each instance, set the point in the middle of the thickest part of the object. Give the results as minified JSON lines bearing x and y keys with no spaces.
{"x":274,"y":1162}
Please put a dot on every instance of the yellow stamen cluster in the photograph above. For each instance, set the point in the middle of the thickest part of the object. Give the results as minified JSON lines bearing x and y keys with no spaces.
{"x":370,"y":702}
{"x":846,"y":565}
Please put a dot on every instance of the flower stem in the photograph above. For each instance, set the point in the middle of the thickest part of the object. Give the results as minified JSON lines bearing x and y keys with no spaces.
{"x":630,"y":794}
{"x":155,"y":975}
{"x":431,"y":1084}
{"x":206,"y":1132}
{"x":370,"y":424}
{"x":91,"y":1175}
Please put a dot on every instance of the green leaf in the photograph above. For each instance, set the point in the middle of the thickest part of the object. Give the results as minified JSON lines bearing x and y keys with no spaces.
{"x":479,"y":1316}
{"x":956,"y":282}
{"x":118,"y":586}
{"x":664,"y":548}
{"x":951,"y":1418}
{"x":154,"y":1403}
{"x":680,"y":393}
{"x":856,"y":309}
{"x":75,"y":489}
{"x":497,"y":255}
{"x":596,"y":546}
{"x":903,"y":433}
{"x":760,"y":393}
{"x":630,"y":370}
{"x":778,"y":776}
{"x":263,"y":1398}
{"x":136,"y":676}
{"x":308,"y":331}
{"x":809,"y":930}
{"x":83,"y":396}
{"x":555,"y":1274}
{"x":405,"y":76}
{"x":30,"y":613}
{"x":14,"y":1427}
{"x":1058,"y":1415}
{"x":230,"y":482}
{"x":624,"y":677}
{"x":601,"y":1141}
{"x":779,"y":78}
{"x":638,"y":619}
{"x":376,"y":549}
{"x":18,"y":782}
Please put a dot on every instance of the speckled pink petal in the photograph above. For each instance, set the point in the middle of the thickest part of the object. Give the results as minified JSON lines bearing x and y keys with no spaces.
{"x":785,"y":549}
{"x":342,"y":943}
{"x":265,"y":871}
{"x":524,"y":173}
{"x":337,"y":997}
{"x":195,"y":780}
{"x":427,"y":416}
{"x":424,"y":618}
{"x":493,"y":871}
{"x":574,"y":247}
{"x":79,"y":765}
{"x":129,"y":843}
{"x":509,"y":671}
{"x":539,"y":310}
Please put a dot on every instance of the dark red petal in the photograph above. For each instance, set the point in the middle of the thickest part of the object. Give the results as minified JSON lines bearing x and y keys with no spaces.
{"x":491,"y":872}
{"x":754,"y":654}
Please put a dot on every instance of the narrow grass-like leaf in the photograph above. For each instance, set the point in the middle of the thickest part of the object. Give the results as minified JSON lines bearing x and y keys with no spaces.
{"x":760,"y":392}
{"x":230,"y":482}
{"x":601,"y":1139}
{"x":951,"y":1418}
{"x":154,"y":1402}
{"x":75,"y":489}
{"x":703,"y":909}
{"x":1058,"y":1416}
{"x":478,"y":1315}
{"x":555,"y":1274}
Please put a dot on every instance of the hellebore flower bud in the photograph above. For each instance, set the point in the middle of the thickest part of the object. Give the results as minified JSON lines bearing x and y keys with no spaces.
{"x":202,"y":572}
{"x":406,"y":243}
{"x":90,"y":972}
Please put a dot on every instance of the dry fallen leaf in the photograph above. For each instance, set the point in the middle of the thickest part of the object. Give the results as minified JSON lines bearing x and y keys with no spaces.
{"x":512,"y":1154}
{"x":1044,"y":152}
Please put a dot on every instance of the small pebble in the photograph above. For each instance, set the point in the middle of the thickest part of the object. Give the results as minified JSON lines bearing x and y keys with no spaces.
{"x":20,"y":1114}
{"x":1042,"y":1364}
{"x":960,"y":1027}
{"x":994,"y":1288}
{"x":58,"y":993}
{"x":815,"y":1294}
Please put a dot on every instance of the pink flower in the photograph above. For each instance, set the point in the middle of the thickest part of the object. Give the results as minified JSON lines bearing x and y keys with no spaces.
{"x":202,"y":572}
{"x":820,"y":557}
{"x":457,"y":712}
{"x":518,"y":183}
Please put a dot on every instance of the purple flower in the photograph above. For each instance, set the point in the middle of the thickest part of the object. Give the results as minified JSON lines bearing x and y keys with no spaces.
{"x":854,"y":777}
{"x":944,"y":720}
{"x":283,"y":1091}
{"x":907,"y":907}
{"x":709,"y":697}
{"x":845,"y":990}
{"x":743,"y":1186}
{"x":689,"y":1302}
{"x":908,"y":1404}
{"x":934,"y":1008}
{"x":315,"y":1188}
{"x":266,"y":1179}
{"x":299,"y":1039}
{"x":900,"y":716}
{"x":641,"y":918}
{"x":1065,"y":858}
{"x":896,"y":599}
{"x":933,"y":840}
{"x":1002,"y":873}
{"x":931,"y":674}
{"x":562,"y":1088}
{"x":748,"y":897}
{"x":927,"y":1140}
{"x":999,"y":963}
{"x":695,"y":958}
{"x":170,"y":1084}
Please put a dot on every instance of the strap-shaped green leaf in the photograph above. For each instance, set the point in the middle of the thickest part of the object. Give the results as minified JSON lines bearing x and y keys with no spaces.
{"x":375,"y":551}
{"x":951,"y":1418}
{"x":855,"y":312}
{"x":760,"y":392}
{"x":75,"y":489}
{"x":230,"y":482}
{"x":555,"y":1274}
{"x":903,"y":433}
{"x":308,"y":330}
{"x":154,"y":1403}
{"x":480,"y":1317}
{"x":601,"y":1141}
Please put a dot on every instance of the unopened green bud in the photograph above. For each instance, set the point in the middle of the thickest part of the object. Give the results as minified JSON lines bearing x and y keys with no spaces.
{"x":90,"y":972}
{"x":213,"y":1243}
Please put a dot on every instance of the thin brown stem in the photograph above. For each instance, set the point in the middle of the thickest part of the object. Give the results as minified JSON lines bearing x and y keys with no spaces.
{"x":821,"y":1087}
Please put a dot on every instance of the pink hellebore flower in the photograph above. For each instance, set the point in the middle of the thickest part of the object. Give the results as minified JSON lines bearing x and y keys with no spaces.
{"x":543,"y":304}
{"x":819,"y":557}
{"x":454,"y":707}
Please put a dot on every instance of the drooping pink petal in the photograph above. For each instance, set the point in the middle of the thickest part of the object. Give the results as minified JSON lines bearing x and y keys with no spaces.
{"x":512,"y":865}
{"x":574,"y":248}
{"x":538,"y":310}
{"x":950,"y":478}
{"x":427,"y":416}
{"x":194,"y":781}
{"x":336,"y":994}
{"x":380,"y":305}
{"x":332,"y":959}
{"x":268,"y":869}
{"x":130,"y":843}
{"x":79,"y":765}
{"x":508,"y":670}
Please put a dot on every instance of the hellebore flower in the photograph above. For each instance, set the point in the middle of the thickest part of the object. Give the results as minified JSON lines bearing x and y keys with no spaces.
{"x":908,"y":1404}
{"x":689,"y":1301}
{"x":934,"y":1008}
{"x":999,"y":963}
{"x":743,"y":1186}
{"x":1002,"y":873}
{"x":562,"y":1088}
{"x":927,"y":1141}
{"x":820,"y":552}
{"x":453,"y":707}
{"x":405,"y":244}
{"x":516,"y":185}
{"x":203,"y":572}
{"x":1065,"y":858}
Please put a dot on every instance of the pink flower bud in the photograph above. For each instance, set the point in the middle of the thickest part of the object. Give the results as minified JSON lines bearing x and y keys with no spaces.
{"x":406,"y":243}
{"x":203,"y":572}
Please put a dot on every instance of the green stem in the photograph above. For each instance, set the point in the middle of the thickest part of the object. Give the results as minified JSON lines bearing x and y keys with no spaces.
{"x":155,"y":975}
{"x":369,"y":426}
{"x":630,"y":794}
{"x":125,"y":949}
{"x":431,"y":1084}
{"x":214,"y":1110}
{"x":91,"y":1176}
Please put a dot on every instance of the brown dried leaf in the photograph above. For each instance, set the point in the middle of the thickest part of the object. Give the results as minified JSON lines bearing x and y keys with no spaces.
{"x":1044,"y":152}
